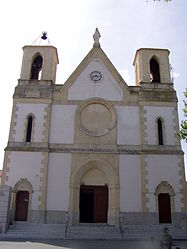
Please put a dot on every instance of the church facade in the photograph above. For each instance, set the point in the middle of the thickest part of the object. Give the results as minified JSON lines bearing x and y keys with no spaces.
{"x":95,"y":150}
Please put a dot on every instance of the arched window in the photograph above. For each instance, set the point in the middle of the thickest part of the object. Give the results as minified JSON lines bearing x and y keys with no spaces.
{"x":36,"y":68}
{"x":29,"y":128}
{"x":154,"y":71}
{"x":160,"y":132}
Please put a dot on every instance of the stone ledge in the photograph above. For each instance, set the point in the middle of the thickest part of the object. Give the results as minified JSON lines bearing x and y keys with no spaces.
{"x":87,"y":148}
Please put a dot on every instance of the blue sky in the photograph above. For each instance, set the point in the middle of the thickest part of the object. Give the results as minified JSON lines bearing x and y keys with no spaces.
{"x":125,"y":26}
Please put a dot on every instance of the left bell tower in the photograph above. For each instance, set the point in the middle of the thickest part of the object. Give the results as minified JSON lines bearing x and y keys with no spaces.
{"x":26,"y":157}
{"x":39,"y":63}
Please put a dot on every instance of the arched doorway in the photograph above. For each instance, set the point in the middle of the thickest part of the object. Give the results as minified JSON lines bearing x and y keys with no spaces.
{"x":94,"y":186}
{"x":165,"y":202}
{"x":93,"y":204}
{"x":22,"y":201}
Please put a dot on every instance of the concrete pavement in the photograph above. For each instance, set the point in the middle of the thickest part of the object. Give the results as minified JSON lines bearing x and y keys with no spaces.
{"x":82,"y":244}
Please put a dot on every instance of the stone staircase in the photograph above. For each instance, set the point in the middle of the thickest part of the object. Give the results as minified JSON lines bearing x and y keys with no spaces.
{"x":23,"y":230}
{"x":148,"y":232}
{"x":35,"y":230}
{"x":92,"y":231}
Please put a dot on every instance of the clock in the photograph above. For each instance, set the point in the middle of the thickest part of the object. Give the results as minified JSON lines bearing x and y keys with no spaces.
{"x":96,"y":76}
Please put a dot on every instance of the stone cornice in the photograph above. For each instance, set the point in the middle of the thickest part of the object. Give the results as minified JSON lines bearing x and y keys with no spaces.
{"x":95,"y":148}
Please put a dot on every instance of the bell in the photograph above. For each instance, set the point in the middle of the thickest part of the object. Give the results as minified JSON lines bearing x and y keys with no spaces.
{"x":44,"y":36}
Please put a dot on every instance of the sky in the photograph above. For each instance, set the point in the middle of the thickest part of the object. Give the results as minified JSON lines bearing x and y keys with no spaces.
{"x":124,"y":25}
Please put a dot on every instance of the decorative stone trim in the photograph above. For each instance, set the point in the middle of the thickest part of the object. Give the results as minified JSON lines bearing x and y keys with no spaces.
{"x":176,"y":126}
{"x":183,"y":184}
{"x":5,"y":168}
{"x":102,"y":102}
{"x":144,"y":181}
{"x":22,"y":185}
{"x":43,"y":181}
{"x":46,"y":124}
{"x":165,"y":187}
{"x":143,"y":126}
{"x":108,"y":165}
{"x":14,"y":117}
{"x":95,"y":148}
{"x":32,"y":101}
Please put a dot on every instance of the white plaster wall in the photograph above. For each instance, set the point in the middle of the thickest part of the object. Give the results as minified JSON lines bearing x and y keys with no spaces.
{"x":23,"y":110}
{"x":84,"y":88}
{"x":130,"y":183}
{"x":169,"y":130}
{"x":62,"y":124}
{"x":58,"y":181}
{"x":26,"y":165}
{"x":128,"y":125}
{"x":162,"y":168}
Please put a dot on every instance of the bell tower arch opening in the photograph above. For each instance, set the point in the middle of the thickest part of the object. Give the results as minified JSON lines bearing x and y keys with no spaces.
{"x":154,"y":70}
{"x":36,"y":67}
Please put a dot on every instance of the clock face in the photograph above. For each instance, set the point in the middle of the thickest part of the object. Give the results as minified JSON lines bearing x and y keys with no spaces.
{"x":96,"y":76}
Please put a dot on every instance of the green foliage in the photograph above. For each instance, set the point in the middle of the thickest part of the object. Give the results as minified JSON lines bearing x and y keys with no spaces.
{"x":183,"y":126}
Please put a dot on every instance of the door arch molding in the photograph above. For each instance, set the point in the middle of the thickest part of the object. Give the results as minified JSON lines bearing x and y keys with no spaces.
{"x":165,"y":189}
{"x":22,"y":185}
{"x":112,"y":179}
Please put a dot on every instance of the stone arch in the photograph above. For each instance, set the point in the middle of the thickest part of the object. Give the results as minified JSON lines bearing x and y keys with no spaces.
{"x":36,"y":67}
{"x":165,"y":188}
{"x":94,"y":176}
{"x":106,"y":168}
{"x":24,"y":185}
{"x":112,"y":181}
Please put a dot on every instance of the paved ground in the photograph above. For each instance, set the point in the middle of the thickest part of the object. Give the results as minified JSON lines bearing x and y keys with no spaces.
{"x":80,"y":244}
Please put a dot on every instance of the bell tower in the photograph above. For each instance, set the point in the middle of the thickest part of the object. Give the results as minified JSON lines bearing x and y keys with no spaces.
{"x":152,"y":66}
{"x":39,"y":63}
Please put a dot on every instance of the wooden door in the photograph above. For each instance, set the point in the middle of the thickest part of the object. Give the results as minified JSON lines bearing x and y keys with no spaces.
{"x":100,"y":204}
{"x":22,"y":201}
{"x":86,"y":204}
{"x":164,"y":205}
{"x":93,"y":204}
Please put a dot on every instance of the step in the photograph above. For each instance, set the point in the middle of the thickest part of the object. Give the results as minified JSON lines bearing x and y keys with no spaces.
{"x":93,"y":232}
{"x":153,"y":231}
{"x":36,"y":230}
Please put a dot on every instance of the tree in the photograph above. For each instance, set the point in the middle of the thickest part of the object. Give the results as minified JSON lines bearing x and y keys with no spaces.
{"x":183,"y":126}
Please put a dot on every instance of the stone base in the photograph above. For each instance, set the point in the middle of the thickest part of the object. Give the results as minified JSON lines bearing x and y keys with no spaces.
{"x":179,"y":220}
{"x":36,"y":216}
{"x":137,"y":218}
{"x":5,"y":197}
{"x":56,"y":217}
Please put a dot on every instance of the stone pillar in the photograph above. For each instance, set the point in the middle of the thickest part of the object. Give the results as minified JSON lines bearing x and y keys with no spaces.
{"x":5,"y":197}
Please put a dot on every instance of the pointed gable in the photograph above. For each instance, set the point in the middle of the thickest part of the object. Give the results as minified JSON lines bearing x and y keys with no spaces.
{"x":95,"y":77}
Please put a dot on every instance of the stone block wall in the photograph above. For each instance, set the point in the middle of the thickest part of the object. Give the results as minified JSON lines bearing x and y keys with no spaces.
{"x":5,"y":197}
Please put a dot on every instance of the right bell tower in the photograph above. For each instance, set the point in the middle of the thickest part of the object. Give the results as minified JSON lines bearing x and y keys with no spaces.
{"x":152,"y":66}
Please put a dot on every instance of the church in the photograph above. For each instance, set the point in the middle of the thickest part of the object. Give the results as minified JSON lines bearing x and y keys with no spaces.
{"x":95,"y":150}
